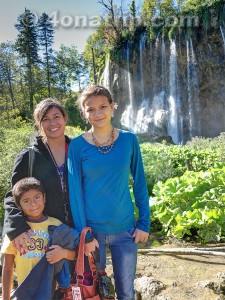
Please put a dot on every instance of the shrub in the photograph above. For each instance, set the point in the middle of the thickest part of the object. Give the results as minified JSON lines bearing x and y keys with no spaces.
{"x":192,"y":205}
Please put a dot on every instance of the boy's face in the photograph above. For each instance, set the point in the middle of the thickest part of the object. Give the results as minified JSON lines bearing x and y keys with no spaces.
{"x":32,"y":203}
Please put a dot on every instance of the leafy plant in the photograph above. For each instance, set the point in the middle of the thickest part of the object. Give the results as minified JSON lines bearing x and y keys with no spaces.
{"x":192,"y":205}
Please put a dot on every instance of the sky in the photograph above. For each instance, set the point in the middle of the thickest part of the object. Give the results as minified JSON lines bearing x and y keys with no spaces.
{"x":66,"y":14}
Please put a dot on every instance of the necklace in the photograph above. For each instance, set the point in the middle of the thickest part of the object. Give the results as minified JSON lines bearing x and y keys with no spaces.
{"x":101,"y":148}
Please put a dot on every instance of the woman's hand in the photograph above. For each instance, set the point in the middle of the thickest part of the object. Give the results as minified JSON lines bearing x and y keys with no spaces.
{"x":90,"y":247}
{"x":57,"y":253}
{"x":21,"y":241}
{"x":140,"y":236}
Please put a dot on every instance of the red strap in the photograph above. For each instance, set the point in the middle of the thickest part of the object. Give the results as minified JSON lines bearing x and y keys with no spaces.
{"x":79,"y":269}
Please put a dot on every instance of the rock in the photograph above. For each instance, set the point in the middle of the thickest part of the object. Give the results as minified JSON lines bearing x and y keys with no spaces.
{"x":221,"y":297}
{"x":222,"y":287}
{"x":147,"y":287}
{"x":163,"y":298}
{"x":208,"y":284}
{"x":220,"y":275}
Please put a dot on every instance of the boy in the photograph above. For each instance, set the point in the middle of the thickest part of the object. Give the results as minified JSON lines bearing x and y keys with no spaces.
{"x":29,"y":195}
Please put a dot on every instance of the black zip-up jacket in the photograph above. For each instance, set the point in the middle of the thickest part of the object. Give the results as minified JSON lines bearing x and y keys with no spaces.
{"x":44,"y":170}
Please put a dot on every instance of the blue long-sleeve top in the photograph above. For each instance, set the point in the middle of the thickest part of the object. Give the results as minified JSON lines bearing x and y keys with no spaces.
{"x":98,"y":186}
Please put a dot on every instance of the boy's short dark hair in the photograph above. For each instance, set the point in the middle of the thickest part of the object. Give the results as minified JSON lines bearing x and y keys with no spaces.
{"x":24,"y":185}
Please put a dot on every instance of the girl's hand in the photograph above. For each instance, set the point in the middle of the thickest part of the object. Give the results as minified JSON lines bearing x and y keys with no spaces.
{"x":90,"y":247}
{"x":22,"y":240}
{"x":140,"y":236}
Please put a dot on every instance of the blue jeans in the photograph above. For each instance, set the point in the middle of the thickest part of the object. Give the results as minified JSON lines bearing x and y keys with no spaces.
{"x":124,"y":260}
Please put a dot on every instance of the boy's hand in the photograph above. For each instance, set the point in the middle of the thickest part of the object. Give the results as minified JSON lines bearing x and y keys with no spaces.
{"x":56,"y":254}
{"x":140,"y":236}
{"x":21,"y":241}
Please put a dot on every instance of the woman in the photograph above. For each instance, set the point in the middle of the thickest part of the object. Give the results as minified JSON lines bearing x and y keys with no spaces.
{"x":50,"y":167}
{"x":99,"y":163}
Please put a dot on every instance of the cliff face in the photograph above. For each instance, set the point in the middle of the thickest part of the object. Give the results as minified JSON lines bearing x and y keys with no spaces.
{"x":174,"y":88}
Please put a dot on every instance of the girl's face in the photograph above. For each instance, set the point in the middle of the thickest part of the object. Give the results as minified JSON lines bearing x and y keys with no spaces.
{"x":98,"y":111}
{"x":53,"y":123}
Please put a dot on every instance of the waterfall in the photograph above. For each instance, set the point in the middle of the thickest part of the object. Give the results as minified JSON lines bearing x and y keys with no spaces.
{"x":106,"y":74}
{"x":141,"y":51}
{"x":223,"y":36}
{"x":127,"y":118}
{"x":163,"y":60}
{"x":143,"y":119}
{"x":193,"y":91}
{"x":174,"y":97}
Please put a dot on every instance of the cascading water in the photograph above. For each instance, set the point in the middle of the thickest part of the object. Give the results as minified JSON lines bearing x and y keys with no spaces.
{"x":169,"y":90}
{"x":143,"y":119}
{"x":174,"y":97}
{"x":106,"y":74}
{"x":163,"y":59}
{"x":141,"y":51}
{"x":193,"y":91}
{"x":223,"y":36}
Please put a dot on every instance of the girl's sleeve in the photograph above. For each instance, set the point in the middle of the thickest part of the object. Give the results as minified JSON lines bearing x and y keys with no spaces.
{"x":14,"y":221}
{"x":75,"y":185}
{"x":140,"y":188}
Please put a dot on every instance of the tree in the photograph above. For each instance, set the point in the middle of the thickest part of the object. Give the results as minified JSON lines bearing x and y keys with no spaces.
{"x":27,"y":46}
{"x":148,"y":10}
{"x":46,"y":39}
{"x":70,"y":69}
{"x":133,"y":9}
{"x":97,"y":46}
{"x":7,"y":70}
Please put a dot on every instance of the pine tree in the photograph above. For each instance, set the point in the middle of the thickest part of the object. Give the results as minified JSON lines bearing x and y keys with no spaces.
{"x":133,"y":9}
{"x":27,"y":46}
{"x":46,"y":40}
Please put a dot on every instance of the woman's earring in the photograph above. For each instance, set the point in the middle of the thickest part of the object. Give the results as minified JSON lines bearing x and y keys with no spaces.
{"x":86,"y":121}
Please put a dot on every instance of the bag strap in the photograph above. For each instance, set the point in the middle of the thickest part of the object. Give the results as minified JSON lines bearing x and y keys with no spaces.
{"x":79,"y":269}
{"x":31,"y":161}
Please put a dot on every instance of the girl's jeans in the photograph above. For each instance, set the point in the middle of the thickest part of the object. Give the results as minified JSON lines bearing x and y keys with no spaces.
{"x":124,"y":260}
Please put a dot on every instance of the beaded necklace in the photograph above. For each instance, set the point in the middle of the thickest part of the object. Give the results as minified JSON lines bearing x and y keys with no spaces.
{"x":101,"y":148}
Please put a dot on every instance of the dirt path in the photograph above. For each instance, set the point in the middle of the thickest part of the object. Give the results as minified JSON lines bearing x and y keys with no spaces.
{"x":180,"y":273}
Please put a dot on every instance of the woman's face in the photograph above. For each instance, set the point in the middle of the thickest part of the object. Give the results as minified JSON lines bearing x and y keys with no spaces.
{"x":98,"y":111}
{"x":53,"y":123}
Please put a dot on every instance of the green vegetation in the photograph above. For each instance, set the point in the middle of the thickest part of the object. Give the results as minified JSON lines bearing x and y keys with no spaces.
{"x":187,"y":188}
{"x":192,"y":205}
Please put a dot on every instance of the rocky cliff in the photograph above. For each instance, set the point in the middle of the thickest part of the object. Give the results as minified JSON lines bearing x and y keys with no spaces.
{"x":171,"y":87}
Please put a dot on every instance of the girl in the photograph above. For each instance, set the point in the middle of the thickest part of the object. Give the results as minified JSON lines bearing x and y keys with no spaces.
{"x":99,"y":164}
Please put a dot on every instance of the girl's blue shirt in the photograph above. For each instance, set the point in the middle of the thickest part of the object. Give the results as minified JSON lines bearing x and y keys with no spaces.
{"x":99,"y":186}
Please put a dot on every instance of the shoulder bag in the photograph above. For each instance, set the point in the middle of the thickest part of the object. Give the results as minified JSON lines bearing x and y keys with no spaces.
{"x":83,"y":289}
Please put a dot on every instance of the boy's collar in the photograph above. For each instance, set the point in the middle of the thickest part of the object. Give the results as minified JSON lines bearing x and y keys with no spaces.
{"x":44,"y":218}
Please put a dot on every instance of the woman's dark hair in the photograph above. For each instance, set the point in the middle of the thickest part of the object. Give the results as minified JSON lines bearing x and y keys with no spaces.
{"x":43,"y":107}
